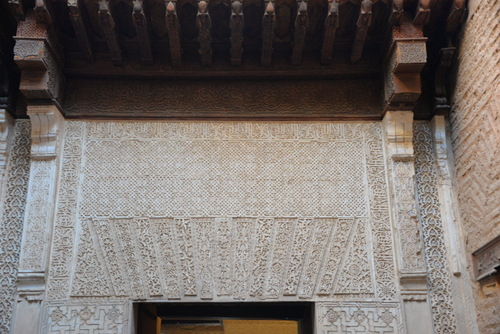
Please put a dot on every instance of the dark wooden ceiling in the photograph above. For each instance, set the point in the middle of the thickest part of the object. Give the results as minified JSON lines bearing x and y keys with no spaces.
{"x":309,"y":38}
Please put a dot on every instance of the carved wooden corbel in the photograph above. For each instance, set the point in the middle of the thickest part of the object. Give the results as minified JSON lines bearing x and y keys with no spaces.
{"x":268,"y":23}
{"x":173,"y":29}
{"x":441,"y":105}
{"x":141,"y":26}
{"x":364,"y":20}
{"x":42,"y":13}
{"x":236,"y":24}
{"x":331,"y":25}
{"x":456,"y":17}
{"x":406,"y":58}
{"x":397,"y":11}
{"x":205,"y":38}
{"x":108,"y":25}
{"x":41,"y":76}
{"x":301,"y":23}
{"x":75,"y":15}
{"x":423,"y":13}
{"x":45,"y":126}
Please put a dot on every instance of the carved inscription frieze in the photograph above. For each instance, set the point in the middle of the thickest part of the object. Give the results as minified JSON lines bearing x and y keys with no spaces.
{"x":64,"y":233}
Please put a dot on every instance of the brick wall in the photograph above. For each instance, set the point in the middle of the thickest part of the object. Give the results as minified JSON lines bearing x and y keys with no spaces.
{"x":475,"y":131}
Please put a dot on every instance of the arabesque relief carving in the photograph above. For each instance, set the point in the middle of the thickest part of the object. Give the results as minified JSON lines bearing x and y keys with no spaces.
{"x":162,"y":226}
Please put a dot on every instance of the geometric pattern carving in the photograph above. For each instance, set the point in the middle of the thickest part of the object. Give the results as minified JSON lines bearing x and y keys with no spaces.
{"x":436,"y":255}
{"x":138,"y":235}
{"x":182,"y":169}
{"x":11,"y":224}
{"x":362,"y":317}
{"x":71,"y":317}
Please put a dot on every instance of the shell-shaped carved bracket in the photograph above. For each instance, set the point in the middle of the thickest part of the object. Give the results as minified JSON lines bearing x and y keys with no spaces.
{"x":46,"y":121}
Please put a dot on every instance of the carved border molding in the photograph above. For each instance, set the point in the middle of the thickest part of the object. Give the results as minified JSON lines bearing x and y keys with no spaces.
{"x":11,"y":223}
{"x":435,"y":249}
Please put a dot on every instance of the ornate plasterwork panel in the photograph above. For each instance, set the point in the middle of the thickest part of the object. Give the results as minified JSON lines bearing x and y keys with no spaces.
{"x":220,"y":169}
{"x":37,"y":216}
{"x":64,"y":233}
{"x":74,"y":317}
{"x":127,"y":258}
{"x":223,"y":211}
{"x":436,"y":254}
{"x":11,"y":224}
{"x":361,"y":317}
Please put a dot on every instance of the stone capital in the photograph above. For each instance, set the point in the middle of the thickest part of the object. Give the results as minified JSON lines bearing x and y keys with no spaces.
{"x":398,"y":127}
{"x":46,"y":122}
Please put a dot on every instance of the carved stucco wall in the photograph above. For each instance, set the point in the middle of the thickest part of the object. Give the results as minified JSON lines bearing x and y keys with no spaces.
{"x":14,"y":194}
{"x":475,"y":134}
{"x":222,"y":211}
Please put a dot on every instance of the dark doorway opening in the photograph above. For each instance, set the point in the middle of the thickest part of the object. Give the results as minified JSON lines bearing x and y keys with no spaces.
{"x":225,"y":318}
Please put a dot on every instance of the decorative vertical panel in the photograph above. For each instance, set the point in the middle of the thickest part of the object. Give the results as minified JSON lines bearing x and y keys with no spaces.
{"x":63,"y":239}
{"x":11,"y":224}
{"x":436,"y":255}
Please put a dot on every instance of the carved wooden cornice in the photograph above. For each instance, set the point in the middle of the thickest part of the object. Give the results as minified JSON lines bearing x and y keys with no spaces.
{"x":299,"y":39}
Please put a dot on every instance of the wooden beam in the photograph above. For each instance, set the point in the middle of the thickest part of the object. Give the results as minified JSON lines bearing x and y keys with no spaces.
{"x":301,"y":23}
{"x":268,"y":23}
{"x":364,"y":20}
{"x":236,"y":24}
{"x":75,"y":15}
{"x":141,"y":27}
{"x":205,"y":39}
{"x":423,"y":13}
{"x":108,"y":25}
{"x":331,"y":25}
{"x":174,"y":41}
{"x":456,"y":17}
